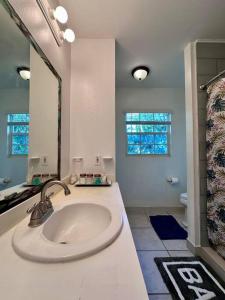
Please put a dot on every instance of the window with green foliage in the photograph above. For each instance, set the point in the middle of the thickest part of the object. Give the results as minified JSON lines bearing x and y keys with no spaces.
{"x":18,"y":133}
{"x":148,"y":133}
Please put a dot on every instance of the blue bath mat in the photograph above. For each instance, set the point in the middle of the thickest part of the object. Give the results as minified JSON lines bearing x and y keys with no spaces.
{"x":168,"y":228}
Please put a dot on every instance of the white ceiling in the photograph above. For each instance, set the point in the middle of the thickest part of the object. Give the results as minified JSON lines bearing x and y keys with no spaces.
{"x":149,"y":32}
{"x":14,"y":52}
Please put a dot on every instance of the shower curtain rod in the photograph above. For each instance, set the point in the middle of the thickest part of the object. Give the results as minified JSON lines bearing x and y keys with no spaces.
{"x":204,"y":86}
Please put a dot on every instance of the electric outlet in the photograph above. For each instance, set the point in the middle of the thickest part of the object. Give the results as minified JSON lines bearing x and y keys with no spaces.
{"x":77,"y":159}
{"x":98,"y":160}
{"x":44,"y":160}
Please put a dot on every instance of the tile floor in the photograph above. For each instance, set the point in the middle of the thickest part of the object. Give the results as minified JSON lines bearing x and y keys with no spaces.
{"x":149,"y":245}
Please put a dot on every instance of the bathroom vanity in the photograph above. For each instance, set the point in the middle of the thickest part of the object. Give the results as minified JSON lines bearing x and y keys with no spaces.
{"x":113,"y":273}
{"x":40,"y":263}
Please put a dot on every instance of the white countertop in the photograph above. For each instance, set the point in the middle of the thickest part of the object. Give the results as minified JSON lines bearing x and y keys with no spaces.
{"x":112,"y":274}
{"x":14,"y":189}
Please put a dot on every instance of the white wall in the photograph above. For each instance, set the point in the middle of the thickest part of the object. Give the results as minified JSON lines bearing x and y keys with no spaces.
{"x":12,"y":101}
{"x":92,"y":110}
{"x":204,"y":59}
{"x":193,"y":187}
{"x":43,"y":108}
{"x":59,"y":57}
{"x":143,"y":179}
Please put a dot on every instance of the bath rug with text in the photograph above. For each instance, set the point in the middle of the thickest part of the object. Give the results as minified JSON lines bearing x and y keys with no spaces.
{"x":168,"y":228}
{"x":190,"y":278}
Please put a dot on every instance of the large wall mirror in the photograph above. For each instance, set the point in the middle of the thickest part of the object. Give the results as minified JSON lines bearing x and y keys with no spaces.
{"x":30,"y":91}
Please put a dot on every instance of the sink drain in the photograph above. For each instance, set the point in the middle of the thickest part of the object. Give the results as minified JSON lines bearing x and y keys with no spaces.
{"x":63,"y":243}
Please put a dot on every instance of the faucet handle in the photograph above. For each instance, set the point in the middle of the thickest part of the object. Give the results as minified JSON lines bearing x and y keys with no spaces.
{"x":36,"y":216}
{"x":43,"y":206}
{"x":49,"y":203}
{"x":31,"y":209}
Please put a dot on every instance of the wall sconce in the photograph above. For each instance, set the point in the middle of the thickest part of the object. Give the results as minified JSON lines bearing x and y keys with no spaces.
{"x":53,"y":18}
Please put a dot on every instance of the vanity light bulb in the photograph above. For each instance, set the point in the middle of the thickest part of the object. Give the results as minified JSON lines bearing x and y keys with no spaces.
{"x":69,"y":35}
{"x":60,"y":14}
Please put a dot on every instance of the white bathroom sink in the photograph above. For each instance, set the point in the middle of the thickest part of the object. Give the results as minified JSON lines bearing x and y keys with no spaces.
{"x":77,"y":223}
{"x":72,"y":232}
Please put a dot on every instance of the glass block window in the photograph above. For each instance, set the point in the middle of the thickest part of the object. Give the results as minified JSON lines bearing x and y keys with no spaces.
{"x":148,"y":133}
{"x":18,"y":133}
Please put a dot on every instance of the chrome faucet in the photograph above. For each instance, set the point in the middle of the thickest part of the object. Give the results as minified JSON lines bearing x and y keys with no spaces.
{"x":42,"y":210}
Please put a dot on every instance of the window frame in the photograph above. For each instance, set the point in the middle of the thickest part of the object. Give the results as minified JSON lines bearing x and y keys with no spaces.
{"x":11,"y":134}
{"x":168,"y":133}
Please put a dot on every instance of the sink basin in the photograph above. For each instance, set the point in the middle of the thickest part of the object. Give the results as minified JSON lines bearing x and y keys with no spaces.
{"x":72,"y":232}
{"x":77,"y":223}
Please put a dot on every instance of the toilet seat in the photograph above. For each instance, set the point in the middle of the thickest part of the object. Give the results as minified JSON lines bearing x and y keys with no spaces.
{"x":183,"y":195}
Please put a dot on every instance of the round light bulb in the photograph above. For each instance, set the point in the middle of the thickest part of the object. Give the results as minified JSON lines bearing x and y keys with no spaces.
{"x":69,"y":35}
{"x":140,"y":74}
{"x":24,"y":73}
{"x":60,"y":14}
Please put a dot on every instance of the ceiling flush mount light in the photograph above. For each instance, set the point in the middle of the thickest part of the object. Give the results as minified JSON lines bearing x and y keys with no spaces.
{"x":53,"y":18}
{"x":24,"y":72}
{"x":140,"y":73}
{"x":60,"y":14}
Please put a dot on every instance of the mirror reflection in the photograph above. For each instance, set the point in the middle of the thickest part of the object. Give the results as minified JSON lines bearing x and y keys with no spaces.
{"x":29,"y":112}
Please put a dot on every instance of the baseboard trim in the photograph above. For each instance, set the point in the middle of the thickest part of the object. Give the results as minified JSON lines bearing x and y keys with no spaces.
{"x":213,"y":259}
{"x":216,"y":262}
{"x":194,"y":249}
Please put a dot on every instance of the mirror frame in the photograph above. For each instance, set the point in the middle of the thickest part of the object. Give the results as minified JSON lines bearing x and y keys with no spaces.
{"x":14,"y":199}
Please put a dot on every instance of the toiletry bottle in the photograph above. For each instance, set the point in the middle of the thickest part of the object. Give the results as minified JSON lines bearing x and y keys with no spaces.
{"x":36,"y":179}
{"x":97,"y":179}
{"x":89,"y":179}
{"x":82,"y":178}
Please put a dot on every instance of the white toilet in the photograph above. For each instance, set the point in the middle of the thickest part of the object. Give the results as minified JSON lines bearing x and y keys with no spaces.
{"x":184,"y":201}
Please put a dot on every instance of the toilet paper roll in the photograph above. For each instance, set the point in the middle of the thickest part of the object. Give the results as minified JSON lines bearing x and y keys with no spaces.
{"x":172,"y":180}
{"x":2,"y":180}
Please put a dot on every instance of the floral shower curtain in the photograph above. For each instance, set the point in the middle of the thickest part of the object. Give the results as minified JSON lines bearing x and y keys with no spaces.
{"x":215,"y":143}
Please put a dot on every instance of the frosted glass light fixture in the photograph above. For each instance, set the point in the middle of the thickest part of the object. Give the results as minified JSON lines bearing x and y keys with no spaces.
{"x":60,"y":14}
{"x":24,"y":73}
{"x":69,"y":35}
{"x":53,"y":18}
{"x":140,"y":73}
